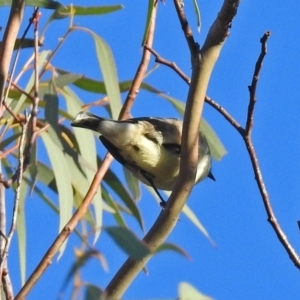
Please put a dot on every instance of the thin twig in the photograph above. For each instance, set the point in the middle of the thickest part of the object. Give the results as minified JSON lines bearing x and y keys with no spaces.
{"x":141,"y":70}
{"x":252,"y":87}
{"x":34,"y":111}
{"x":19,"y":173}
{"x":193,"y":46}
{"x":254,"y":160}
{"x":170,"y":64}
{"x":208,"y":100}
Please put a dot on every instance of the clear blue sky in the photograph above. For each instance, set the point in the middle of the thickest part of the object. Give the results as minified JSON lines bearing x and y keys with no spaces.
{"x":249,"y":262}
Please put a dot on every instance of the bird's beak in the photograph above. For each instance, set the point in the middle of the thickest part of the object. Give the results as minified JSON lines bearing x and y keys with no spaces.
{"x":86,"y":120}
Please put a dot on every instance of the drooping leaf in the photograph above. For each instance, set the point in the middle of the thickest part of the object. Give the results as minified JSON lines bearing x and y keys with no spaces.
{"x":133,"y":184}
{"x":22,"y":43}
{"x":66,"y":79}
{"x":81,"y":260}
{"x":62,"y":177}
{"x":98,"y":87}
{"x":115,"y":208}
{"x":116,"y":185}
{"x":194,"y":219}
{"x":87,"y":148}
{"x":128,"y":242}
{"x":92,"y":292}
{"x":109,"y":73}
{"x":197,"y":11}
{"x":51,"y":108}
{"x":215,"y":145}
{"x":172,"y":247}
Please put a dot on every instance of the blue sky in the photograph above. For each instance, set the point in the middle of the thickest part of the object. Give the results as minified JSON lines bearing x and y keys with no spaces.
{"x":249,"y":262}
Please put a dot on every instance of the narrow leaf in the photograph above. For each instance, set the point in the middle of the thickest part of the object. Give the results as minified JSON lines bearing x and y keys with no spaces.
{"x":133,"y":184}
{"x":172,"y":247}
{"x":87,"y":148}
{"x":186,"y":292}
{"x":75,"y":10}
{"x":148,"y":20}
{"x":63,"y":180}
{"x":197,"y":11}
{"x":215,"y":145}
{"x":115,"y":184}
{"x":109,"y":72}
{"x":92,"y":292}
{"x":128,"y":242}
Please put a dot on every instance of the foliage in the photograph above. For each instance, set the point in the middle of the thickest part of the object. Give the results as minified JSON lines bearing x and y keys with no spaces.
{"x":40,"y":101}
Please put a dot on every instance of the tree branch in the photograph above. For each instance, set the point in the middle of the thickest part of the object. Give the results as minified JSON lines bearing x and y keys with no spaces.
{"x":8,"y":42}
{"x":202,"y":64}
{"x":254,"y":160}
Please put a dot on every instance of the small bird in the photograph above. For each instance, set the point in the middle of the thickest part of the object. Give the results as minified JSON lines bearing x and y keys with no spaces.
{"x":148,"y":147}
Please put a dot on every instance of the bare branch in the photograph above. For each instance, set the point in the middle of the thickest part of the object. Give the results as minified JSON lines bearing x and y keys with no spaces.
{"x":170,"y":64}
{"x":208,"y":100}
{"x":254,"y":160}
{"x":252,"y":87}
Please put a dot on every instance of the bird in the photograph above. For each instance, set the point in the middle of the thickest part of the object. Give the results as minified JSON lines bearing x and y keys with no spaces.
{"x":149,"y":147}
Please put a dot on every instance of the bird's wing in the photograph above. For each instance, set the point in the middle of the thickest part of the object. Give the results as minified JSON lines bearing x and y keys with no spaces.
{"x":117,"y":154}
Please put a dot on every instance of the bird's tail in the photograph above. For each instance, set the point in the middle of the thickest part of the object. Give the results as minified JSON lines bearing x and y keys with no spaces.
{"x":87,"y":120}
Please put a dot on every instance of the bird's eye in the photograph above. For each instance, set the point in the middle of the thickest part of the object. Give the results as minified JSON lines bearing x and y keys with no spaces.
{"x":173,"y":148}
{"x":136,"y":148}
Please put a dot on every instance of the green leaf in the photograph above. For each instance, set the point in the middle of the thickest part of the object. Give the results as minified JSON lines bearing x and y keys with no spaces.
{"x":197,"y":11}
{"x":75,"y":10}
{"x":172,"y":247}
{"x":92,"y":292}
{"x":133,"y":184}
{"x":63,"y":180}
{"x":115,"y":209}
{"x":33,"y":166}
{"x":98,"y":87}
{"x":115,"y":184}
{"x":49,"y":4}
{"x":9,"y":140}
{"x":109,"y":73}
{"x":51,"y":108}
{"x":187,"y":292}
{"x":87,"y":149}
{"x":22,"y":43}
{"x":194,"y":219}
{"x":216,"y":147}
{"x":66,"y":79}
{"x":128,"y":242}
{"x":148,"y":20}
{"x":82,"y":259}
